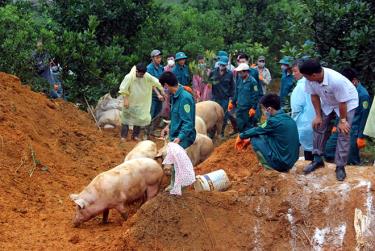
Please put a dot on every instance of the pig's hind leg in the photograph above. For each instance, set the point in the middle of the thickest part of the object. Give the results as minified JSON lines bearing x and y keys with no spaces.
{"x":121,"y":209}
{"x":152,"y":191}
{"x":105,"y":216}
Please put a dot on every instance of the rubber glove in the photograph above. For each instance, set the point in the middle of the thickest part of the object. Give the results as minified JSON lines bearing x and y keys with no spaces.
{"x":361,"y":143}
{"x":252,"y":112}
{"x":230,"y":106}
{"x":241,"y":144}
{"x":246,"y":143}
{"x":238,"y":144}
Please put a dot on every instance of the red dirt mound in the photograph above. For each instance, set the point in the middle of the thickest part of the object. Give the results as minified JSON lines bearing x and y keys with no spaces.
{"x":49,"y":149}
{"x":236,"y":164}
{"x":68,"y":151}
{"x":264,"y":211}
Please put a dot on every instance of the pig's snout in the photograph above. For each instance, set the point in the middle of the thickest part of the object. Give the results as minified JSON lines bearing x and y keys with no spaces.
{"x":76,"y":222}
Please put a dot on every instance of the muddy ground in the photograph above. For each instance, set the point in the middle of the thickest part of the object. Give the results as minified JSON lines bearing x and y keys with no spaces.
{"x":49,"y":149}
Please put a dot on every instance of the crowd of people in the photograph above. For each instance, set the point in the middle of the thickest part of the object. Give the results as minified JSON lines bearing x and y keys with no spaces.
{"x":318,"y":110}
{"x":327,"y":118}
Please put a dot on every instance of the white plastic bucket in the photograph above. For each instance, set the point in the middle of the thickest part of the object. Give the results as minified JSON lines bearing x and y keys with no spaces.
{"x":214,"y":181}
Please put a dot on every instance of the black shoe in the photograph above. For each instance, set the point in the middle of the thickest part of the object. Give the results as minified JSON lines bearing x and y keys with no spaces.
{"x":340,"y":173}
{"x":313,"y":166}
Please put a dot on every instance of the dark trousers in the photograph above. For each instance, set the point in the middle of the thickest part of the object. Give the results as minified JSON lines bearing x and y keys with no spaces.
{"x":264,"y":153}
{"x":330,"y":149}
{"x":223,"y":102}
{"x":322,"y":133}
{"x":125,"y":131}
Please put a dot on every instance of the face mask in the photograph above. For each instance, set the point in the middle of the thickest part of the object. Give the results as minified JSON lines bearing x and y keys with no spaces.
{"x":261,"y":64}
{"x":170,"y":62}
{"x":202,"y":66}
{"x":284,"y":67}
{"x":55,"y":68}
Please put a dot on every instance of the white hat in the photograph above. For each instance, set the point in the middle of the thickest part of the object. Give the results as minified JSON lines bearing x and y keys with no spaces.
{"x":155,"y":53}
{"x":242,"y":67}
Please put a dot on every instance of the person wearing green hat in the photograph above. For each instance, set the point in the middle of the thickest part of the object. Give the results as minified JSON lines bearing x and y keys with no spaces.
{"x":181,"y":70}
{"x":223,"y":54}
{"x":287,"y":79}
{"x":223,"y":89}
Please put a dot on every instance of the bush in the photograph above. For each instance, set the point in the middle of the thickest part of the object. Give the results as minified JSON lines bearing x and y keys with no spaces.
{"x":345,"y":35}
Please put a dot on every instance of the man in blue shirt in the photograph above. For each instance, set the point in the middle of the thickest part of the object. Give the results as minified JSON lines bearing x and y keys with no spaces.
{"x":287,"y":80}
{"x":276,"y":140}
{"x":155,"y":69}
{"x":357,"y":139}
{"x":246,"y":98}
{"x":223,"y":88}
{"x":243,"y":58}
{"x":182,"y":126}
{"x":181,"y":70}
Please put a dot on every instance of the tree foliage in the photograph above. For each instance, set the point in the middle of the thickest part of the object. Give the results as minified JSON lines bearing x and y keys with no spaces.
{"x":100,"y":40}
{"x":345,"y":35}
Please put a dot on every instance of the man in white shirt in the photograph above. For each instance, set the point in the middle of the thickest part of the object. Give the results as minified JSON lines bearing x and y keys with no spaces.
{"x":330,"y":93}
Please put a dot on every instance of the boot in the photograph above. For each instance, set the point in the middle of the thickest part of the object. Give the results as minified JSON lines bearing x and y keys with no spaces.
{"x":124,"y":132}
{"x":136,"y":131}
{"x":234,"y":125}
{"x":340,"y":173}
{"x":315,"y":164}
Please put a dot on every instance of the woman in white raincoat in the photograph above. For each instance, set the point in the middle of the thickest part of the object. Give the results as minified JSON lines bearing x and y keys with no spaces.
{"x":137,"y":90}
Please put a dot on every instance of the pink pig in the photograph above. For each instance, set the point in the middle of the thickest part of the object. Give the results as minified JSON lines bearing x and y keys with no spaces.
{"x":116,"y":187}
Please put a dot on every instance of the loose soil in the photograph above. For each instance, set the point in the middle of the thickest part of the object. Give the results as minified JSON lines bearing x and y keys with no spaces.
{"x":262,"y":210}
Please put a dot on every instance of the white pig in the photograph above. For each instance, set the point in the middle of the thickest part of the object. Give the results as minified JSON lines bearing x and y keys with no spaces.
{"x":144,"y":149}
{"x":198,"y":152}
{"x":200,"y":125}
{"x":116,"y":187}
{"x":212,"y":114}
{"x":201,"y":149}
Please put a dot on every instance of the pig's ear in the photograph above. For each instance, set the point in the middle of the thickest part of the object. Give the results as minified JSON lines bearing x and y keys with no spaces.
{"x":159,"y":154}
{"x":73,"y":196}
{"x":80,"y":202}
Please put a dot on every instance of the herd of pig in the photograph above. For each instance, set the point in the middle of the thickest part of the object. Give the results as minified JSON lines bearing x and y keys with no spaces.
{"x":140,"y":175}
